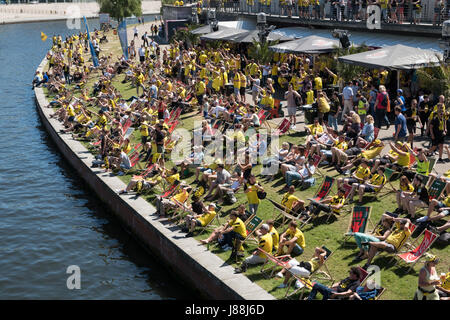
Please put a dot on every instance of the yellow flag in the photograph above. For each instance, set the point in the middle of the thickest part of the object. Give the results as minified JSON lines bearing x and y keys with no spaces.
{"x":43,"y":36}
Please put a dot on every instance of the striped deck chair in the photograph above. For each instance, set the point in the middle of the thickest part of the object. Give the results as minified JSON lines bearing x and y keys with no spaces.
{"x":283,"y":127}
{"x":251,"y":227}
{"x":126,"y":126}
{"x":171,"y":189}
{"x":285,"y":213}
{"x":321,"y":194}
{"x":306,"y":282}
{"x":389,"y":173}
{"x":413,"y":256}
{"x":210,"y":226}
{"x":147,"y":171}
{"x":436,"y":189}
{"x":316,"y":163}
{"x":279,"y":261}
{"x":412,"y":227}
{"x":358,"y":221}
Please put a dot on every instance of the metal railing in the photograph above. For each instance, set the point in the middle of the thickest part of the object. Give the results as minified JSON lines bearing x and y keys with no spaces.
{"x":326,"y":11}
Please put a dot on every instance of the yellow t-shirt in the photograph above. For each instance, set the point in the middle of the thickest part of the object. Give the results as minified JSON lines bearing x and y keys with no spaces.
{"x":362,"y":173}
{"x":275,"y":237}
{"x":288,"y":200}
{"x":378,"y":180}
{"x":403,"y":160}
{"x":237,"y":81}
{"x":239,"y":227}
{"x":252,"y":195}
{"x":171,"y":179}
{"x":300,"y":236}
{"x":335,"y":201}
{"x":316,"y":129}
{"x":266,"y":244}
{"x":309,"y":97}
{"x":446,"y":283}
{"x":318,"y":83}
{"x":181,"y":196}
{"x":398,"y":237}
{"x":207,"y":217}
{"x":408,"y":188}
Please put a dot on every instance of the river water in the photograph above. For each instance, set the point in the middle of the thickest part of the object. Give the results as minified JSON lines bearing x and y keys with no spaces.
{"x":50,"y":220}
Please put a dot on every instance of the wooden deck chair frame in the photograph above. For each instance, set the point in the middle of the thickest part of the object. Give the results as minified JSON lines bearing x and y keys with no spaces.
{"x":322,"y":193}
{"x":388,"y":172}
{"x":413,"y":256}
{"x":347,"y":189}
{"x":316,"y":164}
{"x":436,"y":195}
{"x":380,"y":290}
{"x":254,"y":224}
{"x":406,"y":244}
{"x":394,"y":215}
{"x":283,"y":127}
{"x":280,"y":261}
{"x":171,"y":189}
{"x":313,"y":275}
{"x":284,"y":212}
{"x":432,"y":164}
{"x":353,"y":218}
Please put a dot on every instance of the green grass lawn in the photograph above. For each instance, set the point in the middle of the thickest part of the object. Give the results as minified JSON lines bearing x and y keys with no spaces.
{"x":399,"y":284}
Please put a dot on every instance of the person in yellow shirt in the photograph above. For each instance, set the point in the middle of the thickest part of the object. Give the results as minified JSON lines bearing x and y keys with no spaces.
{"x":331,"y":204}
{"x":162,"y":205}
{"x":265,"y":243}
{"x":361,"y":174}
{"x":290,"y":201}
{"x":374,"y":184}
{"x":293,"y":239}
{"x":251,"y":190}
{"x":444,"y":287}
{"x":233,"y":230}
{"x":193,"y":221}
{"x":390,"y":241}
{"x":267,"y":102}
{"x":242,"y":86}
{"x":274,"y":233}
{"x":237,"y":85}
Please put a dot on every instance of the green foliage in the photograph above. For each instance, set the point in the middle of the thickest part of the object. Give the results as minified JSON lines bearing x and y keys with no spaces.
{"x":347,"y":71}
{"x":187,"y":36}
{"x":260,"y":52}
{"x":120,"y":9}
{"x":437,"y":80}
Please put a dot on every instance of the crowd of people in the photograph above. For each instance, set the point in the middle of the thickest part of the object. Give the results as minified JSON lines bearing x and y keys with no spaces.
{"x":392,"y":11}
{"x":212,"y":82}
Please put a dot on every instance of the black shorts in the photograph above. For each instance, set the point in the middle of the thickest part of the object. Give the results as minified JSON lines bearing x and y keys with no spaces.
{"x":242,"y":91}
{"x":385,"y":161}
{"x":369,"y":188}
{"x":71,"y":118}
{"x":198,"y":223}
{"x":438,"y":139}
{"x":411,"y":128}
{"x":352,"y":180}
{"x":142,"y":58}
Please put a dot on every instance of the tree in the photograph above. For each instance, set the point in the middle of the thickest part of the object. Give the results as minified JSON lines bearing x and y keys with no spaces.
{"x":436,"y":79}
{"x":121,"y":9}
{"x":347,"y":71}
{"x":260,"y":52}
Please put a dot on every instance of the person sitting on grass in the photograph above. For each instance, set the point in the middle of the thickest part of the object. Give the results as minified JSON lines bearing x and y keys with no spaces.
{"x":302,"y":269}
{"x":379,"y":232}
{"x":330,"y":204}
{"x":292,"y":241}
{"x":343,"y":289}
{"x":234,"y":229}
{"x":361,"y":174}
{"x":374,"y":184}
{"x":199,"y":220}
{"x":265,"y":243}
{"x":391,"y":241}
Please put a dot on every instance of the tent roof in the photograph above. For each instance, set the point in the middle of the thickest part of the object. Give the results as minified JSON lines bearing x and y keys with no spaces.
{"x":370,"y":39}
{"x":252,"y":35}
{"x":310,"y":44}
{"x":223,"y":34}
{"x":207,"y":29}
{"x":394,"y":57}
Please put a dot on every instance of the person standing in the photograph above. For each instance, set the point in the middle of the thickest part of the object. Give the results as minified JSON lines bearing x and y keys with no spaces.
{"x":428,"y":279}
{"x":136,"y":33}
{"x":381,"y":107}
{"x":438,"y":130}
{"x":424,"y":112}
{"x":335,"y":107}
{"x":293,"y":98}
{"x":347,"y":94}
{"x":400,"y":125}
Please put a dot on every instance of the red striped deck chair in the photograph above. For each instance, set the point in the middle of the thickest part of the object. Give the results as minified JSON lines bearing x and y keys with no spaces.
{"x":176,"y":115}
{"x":171,"y":189}
{"x":146,"y":172}
{"x":316,"y":163}
{"x":324,"y":189}
{"x":172,"y":127}
{"x":413,"y":256}
{"x":412,"y":227}
{"x":280,"y":261}
{"x":96,"y":143}
{"x":283,"y":127}
{"x":358,"y":221}
{"x":135,"y":149}
{"x":286,"y":213}
{"x":170,"y":116}
{"x":127,"y":125}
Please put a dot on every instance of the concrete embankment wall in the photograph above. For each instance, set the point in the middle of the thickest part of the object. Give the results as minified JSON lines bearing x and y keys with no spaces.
{"x":191,"y":262}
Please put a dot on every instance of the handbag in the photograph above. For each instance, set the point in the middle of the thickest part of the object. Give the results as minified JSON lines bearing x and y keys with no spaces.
{"x":261,"y":194}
